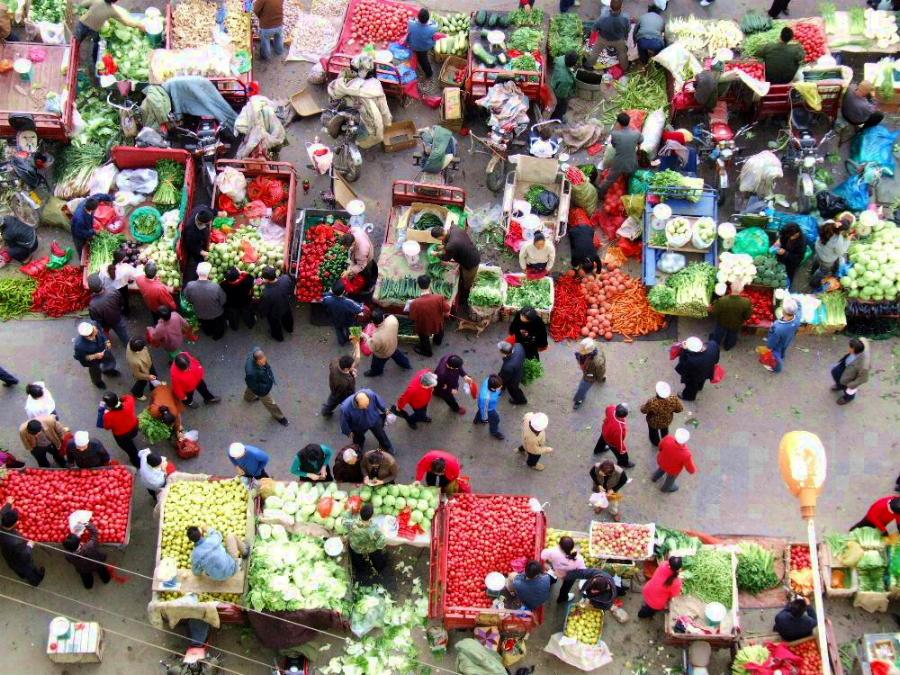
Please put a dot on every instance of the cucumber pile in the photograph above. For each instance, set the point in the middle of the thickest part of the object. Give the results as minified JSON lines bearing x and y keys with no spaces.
{"x":484,"y":22}
{"x":456,"y":26}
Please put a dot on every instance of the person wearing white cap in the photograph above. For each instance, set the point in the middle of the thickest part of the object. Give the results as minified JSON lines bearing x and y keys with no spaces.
{"x":782,"y":333}
{"x":696,"y":364}
{"x":418,"y":395}
{"x":674,"y":456}
{"x":660,"y":410}
{"x":249,"y":460}
{"x":85,"y":452}
{"x":92,"y":350}
{"x":534,"y":437}
{"x":208,"y":300}
{"x":592,"y":362}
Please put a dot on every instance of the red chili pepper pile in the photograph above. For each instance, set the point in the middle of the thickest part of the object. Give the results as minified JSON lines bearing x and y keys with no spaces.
{"x":318,"y":240}
{"x":755,"y":69}
{"x":763,"y":307}
{"x":569,"y":309}
{"x":60,"y":292}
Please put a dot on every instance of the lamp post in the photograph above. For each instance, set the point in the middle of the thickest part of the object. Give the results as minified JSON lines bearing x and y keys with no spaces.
{"x":801,"y":458}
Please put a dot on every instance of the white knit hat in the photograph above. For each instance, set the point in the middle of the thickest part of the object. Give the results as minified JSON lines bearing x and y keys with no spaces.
{"x":693,"y":344}
{"x":236,"y":450}
{"x":663,"y":390}
{"x":85,"y":328}
{"x":203,"y":269}
{"x":82,"y":439}
{"x":682,"y":435}
{"x":539,"y":422}
{"x":586,"y":346}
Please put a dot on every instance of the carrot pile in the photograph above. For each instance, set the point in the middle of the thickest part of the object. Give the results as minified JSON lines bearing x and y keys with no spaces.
{"x":632,"y":315}
{"x":569,"y":309}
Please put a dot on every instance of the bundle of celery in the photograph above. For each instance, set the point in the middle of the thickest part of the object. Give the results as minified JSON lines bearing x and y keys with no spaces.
{"x":693,"y":287}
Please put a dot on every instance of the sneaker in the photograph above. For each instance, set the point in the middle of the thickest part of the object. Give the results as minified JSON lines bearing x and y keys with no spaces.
{"x":538,"y":467}
{"x":461,"y":411}
{"x":11,"y":384}
{"x":577,"y":404}
{"x":630,"y":465}
{"x":369,"y":373}
{"x":325,"y":413}
{"x":479,"y":421}
{"x":412,"y":425}
{"x":422,"y":352}
{"x":672,"y":489}
{"x":192,"y":405}
{"x":843,"y":401}
{"x":499,"y":437}
{"x":426,"y":420}
{"x":705,"y":3}
{"x":836,"y":387}
{"x":112,"y":373}
{"x":142,"y":398}
{"x":214,"y":399}
{"x":100,"y":385}
{"x":283,"y":421}
{"x":769,"y":368}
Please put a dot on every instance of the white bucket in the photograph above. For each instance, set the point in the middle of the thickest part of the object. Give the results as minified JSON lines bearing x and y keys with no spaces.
{"x":495,"y":582}
{"x":715,"y":614}
{"x":411,"y":250}
{"x":530,"y":225}
{"x":661,"y":214}
{"x":23,"y":69}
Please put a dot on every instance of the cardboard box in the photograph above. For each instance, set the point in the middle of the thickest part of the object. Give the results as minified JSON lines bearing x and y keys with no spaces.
{"x":424,"y":236}
{"x":452,"y":109}
{"x":399,"y":136}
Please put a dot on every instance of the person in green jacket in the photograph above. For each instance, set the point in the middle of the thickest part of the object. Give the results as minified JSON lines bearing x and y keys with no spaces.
{"x":366,"y":542}
{"x":562,"y":81}
{"x":260,"y":379}
{"x":730,"y":312}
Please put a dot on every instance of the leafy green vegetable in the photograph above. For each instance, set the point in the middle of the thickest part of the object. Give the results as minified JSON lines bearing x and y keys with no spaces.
{"x":130,"y":48}
{"x":532,"y":370}
{"x":662,"y":298}
{"x":521,"y":17}
{"x":566,"y":34}
{"x":675,"y":542}
{"x":103,"y":245}
{"x":525,"y":62}
{"x":486,"y":291}
{"x":644,"y":90}
{"x":756,"y":569}
{"x":693,"y":288}
{"x":533,"y":197}
{"x":532,"y":293}
{"x":756,"y":654}
{"x":708,"y":575}
{"x":755,"y":21}
{"x":426,"y":220}
{"x":868,"y":537}
{"x":52,"y":11}
{"x":754,"y":43}
{"x":769,"y":272}
{"x":153,"y":429}
{"x":525,"y":39}
{"x":171,"y":179}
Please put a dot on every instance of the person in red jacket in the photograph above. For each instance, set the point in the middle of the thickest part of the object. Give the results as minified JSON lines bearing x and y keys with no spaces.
{"x":673,"y":457}
{"x":187,"y":377}
{"x":881,"y":514}
{"x":439,"y":468}
{"x":417,"y":396}
{"x":664,"y":585}
{"x":613,"y":433}
{"x":121,"y":419}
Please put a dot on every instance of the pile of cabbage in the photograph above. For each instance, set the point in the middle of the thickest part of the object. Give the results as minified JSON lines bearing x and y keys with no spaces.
{"x":875,"y":274}
{"x":292,"y":572}
{"x":734,"y":268}
{"x":319,"y":503}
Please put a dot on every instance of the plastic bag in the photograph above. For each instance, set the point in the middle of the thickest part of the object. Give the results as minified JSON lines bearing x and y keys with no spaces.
{"x":855,"y":192}
{"x":52,"y":33}
{"x":78,"y":520}
{"x":639,"y":183}
{"x":102,"y":179}
{"x":652,"y":131}
{"x":576,"y":653}
{"x":718,"y":374}
{"x":232,"y":183}
{"x":255,"y":209}
{"x":143,"y":181}
{"x":316,"y":74}
{"x":759,"y":172}
{"x":107,"y":218}
{"x":753,"y":241}
{"x":875,"y":145}
{"x":55,"y":213}
{"x":598,"y":500}
{"x":766,"y":356}
{"x":227,"y":205}
{"x":485,"y":216}
{"x":547,"y":202}
{"x":679,"y":62}
{"x":829,"y":205}
{"x":584,"y":195}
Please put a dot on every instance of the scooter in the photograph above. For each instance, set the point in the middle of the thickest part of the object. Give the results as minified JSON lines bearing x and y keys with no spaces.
{"x":204,"y":142}
{"x":198,"y":659}
{"x":341,"y":121}
{"x":802,"y":151}
{"x":22,"y":172}
{"x":719,"y":144}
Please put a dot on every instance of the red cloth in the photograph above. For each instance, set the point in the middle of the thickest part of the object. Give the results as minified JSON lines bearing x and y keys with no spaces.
{"x":656,"y":593}
{"x":155,"y":294}
{"x":614,"y":431}
{"x":454,"y":466}
{"x":673,"y":457}
{"x":123,"y":420}
{"x":880,"y":514}
{"x":428,"y":313}
{"x":185,"y":381}
{"x":416,"y":395}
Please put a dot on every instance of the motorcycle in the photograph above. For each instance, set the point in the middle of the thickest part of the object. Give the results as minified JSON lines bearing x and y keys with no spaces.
{"x":198,"y":659}
{"x":449,"y":163}
{"x":202,"y":137}
{"x":341,"y":121}
{"x":719,"y":144}
{"x":22,"y":172}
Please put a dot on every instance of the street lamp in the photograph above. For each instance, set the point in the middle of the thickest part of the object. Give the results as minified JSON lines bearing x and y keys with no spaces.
{"x":801,"y":458}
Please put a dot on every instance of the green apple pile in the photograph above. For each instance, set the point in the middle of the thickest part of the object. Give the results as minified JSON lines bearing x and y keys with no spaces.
{"x":394,"y":499}
{"x":211,"y":505}
{"x":319,"y":503}
{"x":232,"y":253}
{"x":162,"y":252}
{"x":875,"y":274}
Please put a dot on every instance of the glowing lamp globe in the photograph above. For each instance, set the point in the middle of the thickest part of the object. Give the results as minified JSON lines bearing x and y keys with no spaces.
{"x":801,"y":457}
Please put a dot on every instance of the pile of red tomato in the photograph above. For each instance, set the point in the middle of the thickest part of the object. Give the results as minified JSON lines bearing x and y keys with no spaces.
{"x":485,"y":534}
{"x":811,"y":658}
{"x":375,"y":21}
{"x":318,"y":240}
{"x":45,"y":498}
{"x":755,"y":69}
{"x":812,"y":38}
{"x":763,"y":306}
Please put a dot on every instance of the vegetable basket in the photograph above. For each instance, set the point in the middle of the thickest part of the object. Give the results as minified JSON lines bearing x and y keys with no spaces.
{"x":449,"y":70}
{"x":787,"y":563}
{"x":145,"y":211}
{"x":492,"y":313}
{"x":764,"y":638}
{"x":603,"y":554}
{"x":828,"y":566}
{"x":509,"y":309}
{"x":586,"y":607}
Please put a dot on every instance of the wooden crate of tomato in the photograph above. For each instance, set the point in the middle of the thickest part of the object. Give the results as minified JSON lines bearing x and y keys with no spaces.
{"x":798,"y":563}
{"x":763,"y":301}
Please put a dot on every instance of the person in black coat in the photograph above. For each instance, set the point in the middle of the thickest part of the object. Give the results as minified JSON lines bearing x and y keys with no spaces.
{"x":530,"y":332}
{"x":19,"y":238}
{"x":581,"y":241}
{"x":796,"y":621}
{"x":275,"y":304}
{"x":790,"y":248}
{"x":86,"y":557}
{"x":238,"y":287}
{"x":195,"y":240}
{"x":696,"y":365}
{"x":16,"y":549}
{"x":511,"y":371}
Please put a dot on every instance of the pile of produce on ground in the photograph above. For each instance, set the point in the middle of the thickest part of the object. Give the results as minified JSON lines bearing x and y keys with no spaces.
{"x":570,"y":308}
{"x":193,"y":23}
{"x":704,"y":37}
{"x":643,"y":90}
{"x":624,"y":541}
{"x":756,"y":568}
{"x":293,"y":572}
{"x":769,"y":272}
{"x":686,"y":187}
{"x":537,"y":293}
{"x":130,"y":49}
{"x":45,"y":498}
{"x":304,"y":502}
{"x":870,"y":568}
{"x":709,"y":576}
{"x":802,"y":658}
{"x":800,"y":572}
{"x":60,"y":292}
{"x":216,"y":504}
{"x":675,"y":542}
{"x":487,"y":290}
{"x":875,"y":274}
{"x":485,"y":533}
{"x":418,"y":500}
{"x":763,"y":306}
{"x":379,"y":22}
{"x":812,"y":38}
{"x":566,"y":34}
{"x":584,"y":623}
{"x":317,"y":241}
{"x":400,"y":289}
{"x":687,"y":292}
{"x":456,"y":26}
{"x":16,"y":296}
{"x":246,"y":250}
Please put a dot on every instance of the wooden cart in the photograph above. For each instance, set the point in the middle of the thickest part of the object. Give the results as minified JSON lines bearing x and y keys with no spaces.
{"x":480,"y":78}
{"x":530,"y":171}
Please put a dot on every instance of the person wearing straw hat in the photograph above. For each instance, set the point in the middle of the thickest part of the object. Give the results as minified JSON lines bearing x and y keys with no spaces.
{"x":674,"y":456}
{"x":534,"y":437}
{"x":696,"y":365}
{"x":85,"y":452}
{"x":93,"y":351}
{"x":592,"y":362}
{"x":249,"y":460}
{"x":660,"y":411}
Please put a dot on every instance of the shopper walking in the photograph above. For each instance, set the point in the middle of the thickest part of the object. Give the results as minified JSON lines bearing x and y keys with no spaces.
{"x":86,"y":452}
{"x":249,"y":460}
{"x":140,"y":361}
{"x":17,"y":549}
{"x":259,"y":378}
{"x":188,"y":376}
{"x":120,"y":418}
{"x":83,"y":218}
{"x":457,"y":246}
{"x":674,"y":456}
{"x":39,"y":401}
{"x":238,"y":288}
{"x":660,"y":411}
{"x":592,"y":362}
{"x":366,"y":543}
{"x":363,"y":412}
{"x":86,"y":556}
{"x":312,"y":463}
{"x":347,"y":467}
{"x":439,"y":468}
{"x":417,"y":396}
{"x":153,"y":471}
{"x":270,"y":14}
{"x":42,"y":436}
{"x":613,"y":433}
{"x":275,"y":303}
{"x":562,"y":559}
{"x":881,"y":514}
{"x":696,"y":364}
{"x":105,"y":308}
{"x":534,"y":439}
{"x":608,"y":479}
{"x":383,"y":343}
{"x":195,"y":239}
{"x":511,"y":371}
{"x":421,"y":37}
{"x":449,"y":370}
{"x":428,"y":313}
{"x":341,"y":379}
{"x":782,"y":333}
{"x":488,"y":398}
{"x":342,"y":311}
{"x":208,"y":300}
{"x":378,"y":467}
{"x":93,"y":351}
{"x":529,"y":330}
{"x":852,"y":371}
{"x":731,"y":312}
{"x":169,"y":332}
{"x":153,"y":291}
{"x":664,"y":585}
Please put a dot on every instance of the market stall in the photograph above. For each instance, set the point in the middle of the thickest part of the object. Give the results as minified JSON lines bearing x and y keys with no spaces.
{"x":769,"y":648}
{"x":528,"y":180}
{"x":860,"y":29}
{"x":313,"y":260}
{"x":125,"y":52}
{"x":507,"y":45}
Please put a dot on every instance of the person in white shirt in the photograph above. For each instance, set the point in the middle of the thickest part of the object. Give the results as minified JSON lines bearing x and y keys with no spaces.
{"x":39,"y":401}
{"x":831,"y":249}
{"x":537,"y":257}
{"x":152,"y":471}
{"x":121,"y":274}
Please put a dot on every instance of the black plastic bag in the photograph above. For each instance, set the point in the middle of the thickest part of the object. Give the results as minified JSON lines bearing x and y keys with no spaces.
{"x":829,"y":204}
{"x":547,"y":203}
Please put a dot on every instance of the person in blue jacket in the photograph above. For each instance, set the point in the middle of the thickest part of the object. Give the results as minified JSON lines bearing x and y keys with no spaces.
{"x":421,"y":36}
{"x":782,"y":334}
{"x":488,"y":398}
{"x":83,"y":220}
{"x":365,"y":411}
{"x":342,"y":311}
{"x":214,"y":556}
{"x":249,"y":460}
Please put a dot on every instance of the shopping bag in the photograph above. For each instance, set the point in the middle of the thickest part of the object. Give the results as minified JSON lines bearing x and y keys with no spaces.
{"x":675,"y":351}
{"x":465,"y":484}
{"x":364,"y":344}
{"x":718,"y":374}
{"x":187,"y":448}
{"x":766,"y":357}
{"x":599,"y":500}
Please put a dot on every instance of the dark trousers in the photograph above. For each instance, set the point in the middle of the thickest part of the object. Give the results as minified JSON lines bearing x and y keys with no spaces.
{"x":533,"y":459}
{"x":8,"y":378}
{"x":836,"y":374}
{"x":126,"y":442}
{"x":105,"y":365}
{"x":233,"y":316}
{"x":125,"y":294}
{"x":778,"y":6}
{"x":30,"y":572}
{"x":565,"y":6}
{"x":120,"y":329}
{"x":725,"y":337}
{"x":21,"y":253}
{"x":448,"y":398}
{"x":277,"y":323}
{"x":40,"y":455}
{"x":425,"y":342}
{"x":865,"y":522}
{"x":418,"y":415}
{"x":493,"y":420}
{"x":215,"y":328}
{"x":332,"y":402}
{"x":562,"y":103}
{"x":83,"y":33}
{"x":367,"y":565}
{"x":603,"y":446}
{"x":87,"y":578}
{"x":140,"y":386}
{"x":516,"y":395}
{"x":691,"y":388}
{"x":377,"y":367}
{"x":424,"y":64}
{"x":646,"y":611}
{"x":874,"y":119}
{"x":359,"y":437}
{"x":204,"y":392}
{"x":565,"y":588}
{"x":648,"y":47}
{"x":656,"y":435}
{"x":342,"y":333}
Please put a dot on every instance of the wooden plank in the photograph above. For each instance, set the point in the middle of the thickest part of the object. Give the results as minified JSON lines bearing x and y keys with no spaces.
{"x":19,"y":96}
